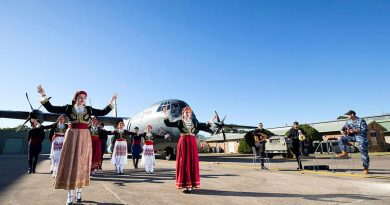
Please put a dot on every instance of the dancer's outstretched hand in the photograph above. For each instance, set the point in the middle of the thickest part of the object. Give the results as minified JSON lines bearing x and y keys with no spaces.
{"x":41,"y":90}
{"x":114,"y":97}
{"x":165,"y":111}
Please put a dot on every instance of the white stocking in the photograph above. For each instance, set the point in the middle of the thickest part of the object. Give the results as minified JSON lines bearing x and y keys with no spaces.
{"x":117,"y":168}
{"x":70,"y":196}
{"x":51,"y":165}
{"x":78,"y":193}
{"x":151,"y":167}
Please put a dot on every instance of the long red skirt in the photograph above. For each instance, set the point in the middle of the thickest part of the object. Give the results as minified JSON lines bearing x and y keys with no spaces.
{"x":187,"y":163}
{"x":96,"y":152}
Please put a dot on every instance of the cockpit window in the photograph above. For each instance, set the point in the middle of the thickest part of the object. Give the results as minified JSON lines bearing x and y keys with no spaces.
{"x":174,"y":107}
{"x":164,"y":104}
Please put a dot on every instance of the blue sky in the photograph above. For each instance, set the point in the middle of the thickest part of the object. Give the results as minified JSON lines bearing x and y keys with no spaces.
{"x":263,"y":60}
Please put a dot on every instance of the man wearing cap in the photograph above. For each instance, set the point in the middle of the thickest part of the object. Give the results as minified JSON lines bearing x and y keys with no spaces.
{"x":294,"y":133}
{"x":355,"y":130}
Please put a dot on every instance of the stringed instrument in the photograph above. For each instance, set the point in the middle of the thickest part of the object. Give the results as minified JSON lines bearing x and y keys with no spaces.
{"x":301,"y":137}
{"x":258,"y":139}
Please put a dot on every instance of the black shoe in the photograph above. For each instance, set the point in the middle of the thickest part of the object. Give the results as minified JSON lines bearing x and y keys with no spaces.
{"x":187,"y":191}
{"x":264,"y":167}
{"x":29,"y":171}
{"x":78,"y":200}
{"x":69,"y":203}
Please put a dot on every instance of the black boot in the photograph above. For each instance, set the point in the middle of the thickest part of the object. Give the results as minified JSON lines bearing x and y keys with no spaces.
{"x":300,"y":165}
{"x":34,"y":166}
{"x":30,"y":164}
{"x":136,"y":163}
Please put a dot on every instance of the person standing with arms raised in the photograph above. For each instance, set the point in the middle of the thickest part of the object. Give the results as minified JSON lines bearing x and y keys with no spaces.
{"x":187,"y":159}
{"x":76,"y":157}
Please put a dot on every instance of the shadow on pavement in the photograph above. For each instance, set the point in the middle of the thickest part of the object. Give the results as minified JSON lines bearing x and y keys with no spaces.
{"x":12,"y":167}
{"x":94,"y":202}
{"x":317,"y":197}
{"x":241,"y":158}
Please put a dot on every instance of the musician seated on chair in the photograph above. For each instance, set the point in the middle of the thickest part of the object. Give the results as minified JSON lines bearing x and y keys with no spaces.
{"x":355,"y":130}
{"x":260,"y":136}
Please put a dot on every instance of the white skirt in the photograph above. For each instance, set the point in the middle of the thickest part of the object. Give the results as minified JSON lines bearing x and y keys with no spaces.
{"x":148,"y":157}
{"x":56,"y":148}
{"x":119,"y":155}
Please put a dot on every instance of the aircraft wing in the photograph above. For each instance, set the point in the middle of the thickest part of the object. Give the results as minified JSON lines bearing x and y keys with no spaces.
{"x":14,"y":114}
{"x":234,"y":126}
{"x":50,"y":117}
{"x":23,"y":115}
{"x":111,"y":120}
{"x":212,"y":129}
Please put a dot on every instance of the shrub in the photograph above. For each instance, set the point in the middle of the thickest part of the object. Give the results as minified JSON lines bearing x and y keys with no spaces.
{"x":244,"y":147}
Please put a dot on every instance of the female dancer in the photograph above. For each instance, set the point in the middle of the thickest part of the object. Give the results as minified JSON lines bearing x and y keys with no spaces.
{"x":119,"y":144}
{"x":187,"y":160}
{"x":75,"y":161}
{"x":148,"y":158}
{"x":136,"y":148}
{"x":56,"y":136}
{"x":96,"y":146}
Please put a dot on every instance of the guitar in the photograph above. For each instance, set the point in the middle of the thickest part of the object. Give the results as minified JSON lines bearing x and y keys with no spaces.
{"x":259,"y":139}
{"x":348,"y":131}
{"x":301,"y":136}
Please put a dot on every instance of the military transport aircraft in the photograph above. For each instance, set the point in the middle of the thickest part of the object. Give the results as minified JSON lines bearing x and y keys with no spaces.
{"x":150,"y":116}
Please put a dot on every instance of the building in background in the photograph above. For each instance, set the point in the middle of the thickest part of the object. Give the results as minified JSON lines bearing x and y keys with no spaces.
{"x":378,"y":133}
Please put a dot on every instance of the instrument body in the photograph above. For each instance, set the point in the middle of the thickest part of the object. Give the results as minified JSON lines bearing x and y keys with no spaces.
{"x":301,"y":137}
{"x":260,"y":137}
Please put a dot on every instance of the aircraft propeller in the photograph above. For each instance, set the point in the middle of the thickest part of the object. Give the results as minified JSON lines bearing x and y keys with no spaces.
{"x":33,"y":113}
{"x":220,"y":123}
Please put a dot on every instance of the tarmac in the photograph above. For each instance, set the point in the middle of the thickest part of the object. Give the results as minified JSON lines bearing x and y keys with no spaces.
{"x":225,"y":179}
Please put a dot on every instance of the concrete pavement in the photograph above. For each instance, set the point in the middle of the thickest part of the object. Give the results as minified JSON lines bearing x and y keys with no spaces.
{"x":225,"y":179}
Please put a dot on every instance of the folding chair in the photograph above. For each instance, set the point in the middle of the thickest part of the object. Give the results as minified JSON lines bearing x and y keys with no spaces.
{"x":256,"y":157}
{"x":351,"y":166}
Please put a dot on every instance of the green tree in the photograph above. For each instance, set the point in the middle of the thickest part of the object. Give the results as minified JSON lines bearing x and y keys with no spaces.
{"x":342,"y":117}
{"x":243,"y":147}
{"x":311,"y":133}
{"x":23,"y":128}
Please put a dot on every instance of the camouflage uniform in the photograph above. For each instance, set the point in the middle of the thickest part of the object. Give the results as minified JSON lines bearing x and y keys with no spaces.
{"x":360,"y":138}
